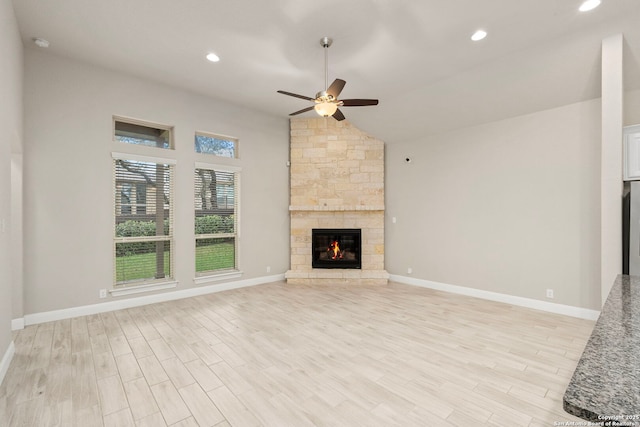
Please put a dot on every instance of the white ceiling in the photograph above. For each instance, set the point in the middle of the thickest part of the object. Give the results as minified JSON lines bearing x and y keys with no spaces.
{"x":413,"y":55}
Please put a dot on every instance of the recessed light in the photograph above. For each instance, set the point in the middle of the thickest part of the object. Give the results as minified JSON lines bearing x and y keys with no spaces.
{"x":589,"y":5}
{"x":478,"y":35}
{"x":41,"y":42}
{"x":213,"y":57}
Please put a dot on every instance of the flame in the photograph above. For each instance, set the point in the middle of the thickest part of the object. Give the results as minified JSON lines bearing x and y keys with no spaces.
{"x":335,"y":248}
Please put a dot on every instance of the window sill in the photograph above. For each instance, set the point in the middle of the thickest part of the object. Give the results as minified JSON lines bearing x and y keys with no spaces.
{"x":216,"y":277}
{"x":151,"y":287}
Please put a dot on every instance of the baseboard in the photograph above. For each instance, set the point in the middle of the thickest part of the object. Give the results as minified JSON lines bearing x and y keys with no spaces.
{"x":49,"y":316}
{"x":6,"y":360}
{"x":17,"y":324}
{"x":85,"y":310}
{"x":567,"y":310}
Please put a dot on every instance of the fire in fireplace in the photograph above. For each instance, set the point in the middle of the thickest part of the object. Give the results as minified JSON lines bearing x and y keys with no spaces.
{"x":336,"y":248}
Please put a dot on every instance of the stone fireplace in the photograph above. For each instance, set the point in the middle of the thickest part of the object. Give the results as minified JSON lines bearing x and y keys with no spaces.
{"x":337,"y":183}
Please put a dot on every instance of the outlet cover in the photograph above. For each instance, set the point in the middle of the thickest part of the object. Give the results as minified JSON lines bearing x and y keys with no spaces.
{"x":103,"y":293}
{"x":549,"y":293}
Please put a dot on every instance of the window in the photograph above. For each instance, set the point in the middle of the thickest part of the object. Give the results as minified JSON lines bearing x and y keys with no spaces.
{"x":216,"y":145}
{"x":125,"y":198}
{"x":216,"y":219}
{"x":130,"y":131}
{"x":141,"y":198}
{"x":143,"y":233}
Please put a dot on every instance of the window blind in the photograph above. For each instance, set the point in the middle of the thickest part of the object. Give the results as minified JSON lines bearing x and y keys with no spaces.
{"x":216,"y":220}
{"x":143,"y":229}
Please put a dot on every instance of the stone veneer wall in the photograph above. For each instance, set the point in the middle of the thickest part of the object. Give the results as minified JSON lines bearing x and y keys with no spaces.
{"x":337,"y":181}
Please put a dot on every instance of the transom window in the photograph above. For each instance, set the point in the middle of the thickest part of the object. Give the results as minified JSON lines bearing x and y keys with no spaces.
{"x":221,"y":146}
{"x":135,"y":132}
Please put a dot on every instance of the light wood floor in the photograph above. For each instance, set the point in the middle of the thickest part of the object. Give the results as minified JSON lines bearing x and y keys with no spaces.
{"x":278,"y":355}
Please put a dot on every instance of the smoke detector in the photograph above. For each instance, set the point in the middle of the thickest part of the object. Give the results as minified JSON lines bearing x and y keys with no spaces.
{"x":41,"y":42}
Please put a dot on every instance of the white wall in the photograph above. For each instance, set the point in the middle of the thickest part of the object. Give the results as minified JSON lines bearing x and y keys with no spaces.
{"x":68,"y":177}
{"x":632,"y":108}
{"x":511,"y":206}
{"x":17,"y":249}
{"x":11,"y":68}
{"x":611,"y":159}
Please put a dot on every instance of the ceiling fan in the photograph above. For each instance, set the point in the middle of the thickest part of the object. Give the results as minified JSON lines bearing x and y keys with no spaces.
{"x":326,"y":102}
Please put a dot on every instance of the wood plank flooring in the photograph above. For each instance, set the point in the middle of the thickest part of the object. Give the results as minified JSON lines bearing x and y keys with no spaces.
{"x":278,"y":355}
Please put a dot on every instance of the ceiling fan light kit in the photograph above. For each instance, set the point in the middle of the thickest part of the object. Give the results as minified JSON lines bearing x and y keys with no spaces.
{"x":325,"y":109}
{"x":326,"y":101}
{"x":589,"y":5}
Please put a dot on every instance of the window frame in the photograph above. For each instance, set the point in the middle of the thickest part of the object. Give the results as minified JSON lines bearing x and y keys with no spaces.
{"x":138,"y":122}
{"x":143,"y":285}
{"x":220,"y":274}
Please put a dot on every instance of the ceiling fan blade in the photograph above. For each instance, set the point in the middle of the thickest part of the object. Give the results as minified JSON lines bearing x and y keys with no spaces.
{"x":338,"y":115}
{"x":358,"y":102}
{"x":295,"y":95}
{"x":304,"y":110}
{"x":336,"y":87}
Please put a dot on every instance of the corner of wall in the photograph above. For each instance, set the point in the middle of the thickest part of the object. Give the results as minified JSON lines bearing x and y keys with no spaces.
{"x":11,"y":121}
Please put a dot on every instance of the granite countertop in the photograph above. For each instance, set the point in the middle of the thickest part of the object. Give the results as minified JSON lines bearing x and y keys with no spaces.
{"x":606,"y":383}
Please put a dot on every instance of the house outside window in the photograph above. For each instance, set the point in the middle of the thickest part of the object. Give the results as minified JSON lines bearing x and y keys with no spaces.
{"x":133,"y":198}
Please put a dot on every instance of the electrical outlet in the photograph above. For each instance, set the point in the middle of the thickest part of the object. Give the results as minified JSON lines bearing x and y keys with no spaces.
{"x":549,"y":293}
{"x":268,"y":269}
{"x":409,"y":270}
{"x":103,"y":293}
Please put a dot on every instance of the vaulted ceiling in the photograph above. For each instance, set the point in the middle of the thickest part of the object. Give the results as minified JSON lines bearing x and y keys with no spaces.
{"x":415,"y":56}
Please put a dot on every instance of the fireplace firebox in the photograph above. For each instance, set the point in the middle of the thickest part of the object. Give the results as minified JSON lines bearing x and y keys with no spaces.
{"x":336,"y":248}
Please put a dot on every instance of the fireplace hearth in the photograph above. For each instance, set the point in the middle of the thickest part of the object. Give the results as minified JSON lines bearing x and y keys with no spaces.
{"x":336,"y":248}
